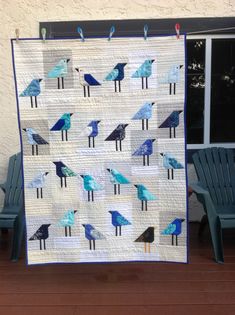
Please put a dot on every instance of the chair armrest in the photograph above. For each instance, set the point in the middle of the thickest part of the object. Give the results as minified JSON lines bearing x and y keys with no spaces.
{"x":198,"y":189}
{"x":3,"y":187}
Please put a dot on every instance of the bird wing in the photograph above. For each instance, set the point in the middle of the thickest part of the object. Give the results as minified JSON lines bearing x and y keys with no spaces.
{"x":60,"y":70}
{"x":58,"y":125}
{"x":142,"y":150}
{"x":171,"y":121}
{"x":145,"y":112}
{"x":67,"y":171}
{"x":36,"y":236}
{"x":121,"y":179}
{"x":90,"y":79}
{"x":122,"y":221}
{"x":115,"y":135}
{"x":37,"y":182}
{"x":38,"y":139}
{"x":67,"y":220}
{"x":145,"y":70}
{"x":97,"y":235}
{"x":33,"y":89}
{"x":169,"y":230}
{"x":112,"y":75}
{"x":174,"y":163}
{"x":147,"y":195}
{"x":94,"y":185}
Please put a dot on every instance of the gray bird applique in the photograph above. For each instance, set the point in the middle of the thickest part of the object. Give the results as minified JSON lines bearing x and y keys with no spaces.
{"x":38,"y":183}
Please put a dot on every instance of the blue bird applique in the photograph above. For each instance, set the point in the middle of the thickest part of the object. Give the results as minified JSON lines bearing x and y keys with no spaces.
{"x":174,"y":229}
{"x":117,"y":75}
{"x":144,"y":195}
{"x":92,"y":235}
{"x":41,"y":235}
{"x":170,"y":163}
{"x":172,"y":78}
{"x":86,"y":80}
{"x":144,"y":114}
{"x":145,"y":150}
{"x":118,"y":220}
{"x":117,"y":179}
{"x":90,"y":185}
{"x":94,"y":131}
{"x":63,"y":171}
{"x":171,"y":122}
{"x":34,"y":139}
{"x":59,"y":72}
{"x":118,"y":135}
{"x":144,"y":71}
{"x":67,"y":222}
{"x":63,"y":125}
{"x":38,"y":182}
{"x":32,"y":90}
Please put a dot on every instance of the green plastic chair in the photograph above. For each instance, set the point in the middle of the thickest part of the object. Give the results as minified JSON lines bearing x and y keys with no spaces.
{"x":216,"y":191}
{"x":12,"y":213}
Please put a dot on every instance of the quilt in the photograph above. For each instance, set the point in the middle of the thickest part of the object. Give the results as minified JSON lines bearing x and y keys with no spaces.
{"x":103,"y":142}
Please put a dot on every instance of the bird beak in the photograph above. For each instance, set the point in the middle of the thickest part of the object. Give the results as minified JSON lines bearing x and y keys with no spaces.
{"x":77,"y":69}
{"x":47,"y":173}
{"x":181,"y":66}
{"x":126,"y":125}
{"x":110,"y":212}
{"x":84,"y":225}
{"x":161,"y":154}
{"x":40,"y":80}
{"x":182,"y":220}
{"x":153,"y":103}
{"x":153,"y":140}
{"x":108,"y":169}
{"x":152,"y":60}
{"x":136,"y":186}
{"x":68,"y":60}
{"x":98,"y":121}
{"x":24,"y":129}
{"x":82,"y":176}
{"x":71,"y":114}
{"x":48,"y":225}
{"x":180,"y":111}
{"x":75,"y":211}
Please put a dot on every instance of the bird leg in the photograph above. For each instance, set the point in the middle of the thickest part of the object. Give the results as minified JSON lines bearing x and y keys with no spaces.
{"x":120,"y":230}
{"x":170,"y":89}
{"x":174,"y":132}
{"x":145,"y":247}
{"x":115,"y":85}
{"x":146,"y":205}
{"x":94,"y":244}
{"x":90,"y":244}
{"x":65,"y":231}
{"x":66,"y":135}
{"x":61,"y":182}
{"x":36,"y":149}
{"x":120,"y":141}
{"x":36,"y":103}
{"x":62,"y":80}
{"x":147,"y":124}
{"x":172,"y":173}
{"x":146,"y":79}
{"x":168,"y":173}
{"x":62,"y":135}
{"x":31,"y":100}
{"x":142,"y":205}
{"x":88,"y":91}
{"x":172,"y":239}
{"x":37,"y":193}
{"x":148,"y":160}
{"x":116,"y":230}
{"x":174,"y":87}
{"x":119,"y":85}
{"x":142,"y":124}
{"x":84,"y":90}
{"x":119,"y":190}
{"x":40,"y":244}
{"x":65,"y":182}
{"x":41,"y":193}
{"x":176,"y":240}
{"x":88,"y":195}
{"x":32,"y":149}
{"x":142,"y":79}
{"x":58,"y":79}
{"x":92,"y":195}
{"x":93,"y":141}
{"x":89,"y":142}
{"x":70,"y":231}
{"x":115,"y":189}
{"x":116,"y":145}
{"x":170,"y":132}
{"x":143,"y":160}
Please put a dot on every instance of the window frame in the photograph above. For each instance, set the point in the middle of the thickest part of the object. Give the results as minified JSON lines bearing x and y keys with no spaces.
{"x":207,"y":94}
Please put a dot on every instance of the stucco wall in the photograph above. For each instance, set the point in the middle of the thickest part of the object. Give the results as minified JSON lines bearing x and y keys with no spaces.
{"x":26,"y":14}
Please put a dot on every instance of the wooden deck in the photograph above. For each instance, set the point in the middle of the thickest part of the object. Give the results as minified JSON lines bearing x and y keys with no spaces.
{"x":201,"y":287}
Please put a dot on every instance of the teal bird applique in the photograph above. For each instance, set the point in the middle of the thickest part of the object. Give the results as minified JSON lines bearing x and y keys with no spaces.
{"x":144,"y":71}
{"x":170,"y":163}
{"x":32,"y":90}
{"x":68,"y":221}
{"x":63,"y":125}
{"x":117,"y":179}
{"x":144,"y":195}
{"x":59,"y":71}
{"x":90,"y":185}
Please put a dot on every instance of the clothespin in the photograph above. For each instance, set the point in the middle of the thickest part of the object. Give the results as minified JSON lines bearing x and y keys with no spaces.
{"x":146,"y":31}
{"x":17,"y":32}
{"x":44,"y":32}
{"x":111,"y":32}
{"x":80,"y":32}
{"x":177,"y":29}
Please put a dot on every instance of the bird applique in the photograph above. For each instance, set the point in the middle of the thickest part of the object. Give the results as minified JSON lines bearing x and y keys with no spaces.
{"x":147,"y":237}
{"x":172,"y":78}
{"x":144,"y":195}
{"x":90,"y":185}
{"x":118,"y":220}
{"x":117,"y":179}
{"x":144,"y":71}
{"x":94,"y":131}
{"x":59,"y":72}
{"x":116,"y":75}
{"x":144,"y":114}
{"x":63,"y":171}
{"x":32,"y":90}
{"x":174,"y":229}
{"x":145,"y":150}
{"x":171,"y":122}
{"x":41,"y":235}
{"x":170,"y":163}
{"x":92,"y":235}
{"x":118,"y":135}
{"x":67,"y":222}
{"x":38,"y":182}
{"x":86,"y":80}
{"x":34,"y":139}
{"x":63,"y":125}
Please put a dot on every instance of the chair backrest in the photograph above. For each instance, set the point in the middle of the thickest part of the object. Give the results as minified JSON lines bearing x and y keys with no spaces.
{"x":216,"y":173}
{"x":13,"y":185}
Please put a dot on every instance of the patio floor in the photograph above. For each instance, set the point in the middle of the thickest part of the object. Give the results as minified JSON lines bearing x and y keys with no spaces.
{"x":201,"y":287}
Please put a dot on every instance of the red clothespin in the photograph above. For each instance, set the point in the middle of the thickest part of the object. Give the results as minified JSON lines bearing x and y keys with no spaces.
{"x":177,"y":29}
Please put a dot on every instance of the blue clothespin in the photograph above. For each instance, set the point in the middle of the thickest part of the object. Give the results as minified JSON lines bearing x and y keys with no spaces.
{"x":80,"y":32}
{"x":146,"y":31}
{"x":112,"y":30}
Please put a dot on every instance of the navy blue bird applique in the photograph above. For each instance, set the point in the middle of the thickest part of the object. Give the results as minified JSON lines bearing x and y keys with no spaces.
{"x":118,"y":220}
{"x":170,"y":163}
{"x":62,"y":171}
{"x":118,"y":135}
{"x":63,"y":125}
{"x":171,"y":122}
{"x":41,"y":235}
{"x":116,"y":75}
{"x":92,"y":235}
{"x":145,"y":150}
{"x":32,"y":90}
{"x":34,"y":139}
{"x":147,"y":237}
{"x":94,"y":131}
{"x":86,"y":80}
{"x":174,"y":229}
